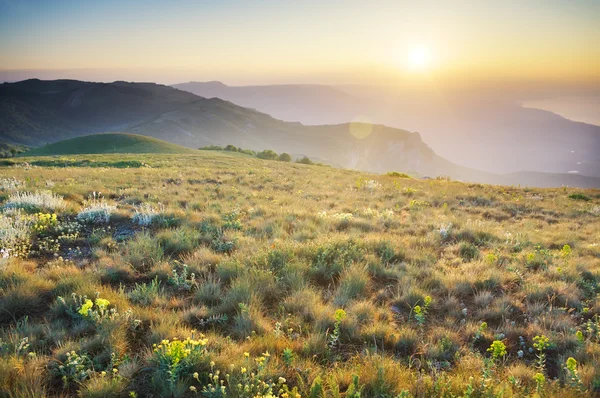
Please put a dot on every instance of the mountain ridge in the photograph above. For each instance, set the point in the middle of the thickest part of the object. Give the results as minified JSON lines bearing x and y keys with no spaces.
{"x":482,"y":130}
{"x":42,"y":112}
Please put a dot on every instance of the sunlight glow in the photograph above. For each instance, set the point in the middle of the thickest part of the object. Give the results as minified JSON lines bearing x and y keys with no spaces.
{"x":419,"y":58}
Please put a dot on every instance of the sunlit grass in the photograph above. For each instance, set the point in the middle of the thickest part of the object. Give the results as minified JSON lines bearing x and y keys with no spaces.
{"x":259,"y":256}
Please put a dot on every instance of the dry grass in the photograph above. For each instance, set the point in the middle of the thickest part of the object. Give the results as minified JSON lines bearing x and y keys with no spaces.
{"x":272,"y":250}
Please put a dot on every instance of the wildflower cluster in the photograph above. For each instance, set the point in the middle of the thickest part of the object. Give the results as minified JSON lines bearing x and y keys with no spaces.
{"x":244,"y":383}
{"x":232,"y":220}
{"x":174,"y":359}
{"x":95,"y":311}
{"x":44,"y":221}
{"x":383,"y":216}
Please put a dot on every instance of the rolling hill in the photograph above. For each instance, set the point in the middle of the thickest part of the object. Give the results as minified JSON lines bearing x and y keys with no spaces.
{"x":109,"y":143}
{"x":37,"y":113}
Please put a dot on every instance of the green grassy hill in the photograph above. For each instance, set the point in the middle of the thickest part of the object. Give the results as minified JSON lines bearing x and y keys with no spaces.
{"x":109,"y":143}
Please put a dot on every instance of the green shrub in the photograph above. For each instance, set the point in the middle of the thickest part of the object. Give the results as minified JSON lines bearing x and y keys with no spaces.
{"x":579,"y":196}
{"x":267,"y":154}
{"x":468,"y":251}
{"x":285,"y":157}
{"x":397,"y":174}
{"x":143,"y":252}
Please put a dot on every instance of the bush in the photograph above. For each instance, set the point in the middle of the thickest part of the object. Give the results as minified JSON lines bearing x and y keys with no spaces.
{"x":468,"y":251}
{"x":145,"y":294}
{"x":305,"y":160}
{"x":579,"y":196}
{"x":142,"y":252}
{"x":397,"y":174}
{"x":267,"y":154}
{"x":285,"y":157}
{"x":96,"y":210}
{"x":35,"y":201}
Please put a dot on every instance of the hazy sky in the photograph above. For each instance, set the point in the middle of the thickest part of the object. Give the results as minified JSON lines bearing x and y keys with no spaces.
{"x":263,"y":41}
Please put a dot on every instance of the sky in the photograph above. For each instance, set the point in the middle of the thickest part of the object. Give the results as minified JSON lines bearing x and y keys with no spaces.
{"x":287,"y":41}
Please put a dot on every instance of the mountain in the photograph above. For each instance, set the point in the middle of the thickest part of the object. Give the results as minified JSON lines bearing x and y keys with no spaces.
{"x":484,"y":129}
{"x":109,"y":143}
{"x":39,"y":112}
{"x":307,"y":103}
{"x":36,"y":113}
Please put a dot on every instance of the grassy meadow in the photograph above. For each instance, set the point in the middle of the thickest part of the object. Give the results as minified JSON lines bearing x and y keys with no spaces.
{"x":222,"y":275}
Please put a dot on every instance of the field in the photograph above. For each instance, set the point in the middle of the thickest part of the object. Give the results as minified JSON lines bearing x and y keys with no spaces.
{"x":218,"y":275}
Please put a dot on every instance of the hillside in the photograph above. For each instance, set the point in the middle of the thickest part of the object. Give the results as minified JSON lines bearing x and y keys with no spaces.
{"x":48,"y":111}
{"x":108,"y":143}
{"x":38,"y":112}
{"x":312,"y":278}
{"x":459,"y":126}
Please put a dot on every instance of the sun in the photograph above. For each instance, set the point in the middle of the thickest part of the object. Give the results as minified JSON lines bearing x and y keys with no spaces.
{"x":419,"y":58}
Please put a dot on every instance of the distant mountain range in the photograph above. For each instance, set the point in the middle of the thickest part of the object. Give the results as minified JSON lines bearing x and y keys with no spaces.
{"x":482,"y":129}
{"x":36,"y":113}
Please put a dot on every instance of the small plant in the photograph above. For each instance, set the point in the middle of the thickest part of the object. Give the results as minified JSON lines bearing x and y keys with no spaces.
{"x":14,"y":234}
{"x":96,"y":311}
{"x":44,"y":222}
{"x":243,"y":383}
{"x":288,"y":357}
{"x":541,"y":344}
{"x":408,"y":191}
{"x":497,"y":350}
{"x":418,"y":204}
{"x":182,"y":280}
{"x":480,"y":331}
{"x":76,"y":369}
{"x":232,"y":220}
{"x":145,"y":294}
{"x":96,"y":210}
{"x":10,"y":184}
{"x":540,"y":381}
{"x":354,"y":389}
{"x":334,"y":337}
{"x":573,"y":379}
{"x":421,"y":312}
{"x":444,"y":230}
{"x":566,"y":252}
{"x":540,"y":259}
{"x":144,"y":215}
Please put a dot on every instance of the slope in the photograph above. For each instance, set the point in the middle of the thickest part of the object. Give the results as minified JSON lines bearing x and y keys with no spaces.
{"x":485,"y":129}
{"x":109,"y":143}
